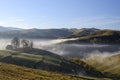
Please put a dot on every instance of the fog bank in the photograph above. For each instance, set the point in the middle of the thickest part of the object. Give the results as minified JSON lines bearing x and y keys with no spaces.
{"x":76,"y":50}
{"x":69,"y":50}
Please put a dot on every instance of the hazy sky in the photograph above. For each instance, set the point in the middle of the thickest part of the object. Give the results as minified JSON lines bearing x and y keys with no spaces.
{"x":60,"y":13}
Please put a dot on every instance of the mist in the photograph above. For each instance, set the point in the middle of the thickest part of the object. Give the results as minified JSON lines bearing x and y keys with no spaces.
{"x":69,"y":50}
{"x":100,"y":57}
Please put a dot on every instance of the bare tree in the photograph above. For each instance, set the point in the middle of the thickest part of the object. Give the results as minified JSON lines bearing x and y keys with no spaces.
{"x":15,"y":43}
{"x":25,"y":43}
{"x":9,"y":47}
{"x":31,"y":44}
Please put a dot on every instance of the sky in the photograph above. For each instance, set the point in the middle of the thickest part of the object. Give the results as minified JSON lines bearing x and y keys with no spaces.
{"x":45,"y":14}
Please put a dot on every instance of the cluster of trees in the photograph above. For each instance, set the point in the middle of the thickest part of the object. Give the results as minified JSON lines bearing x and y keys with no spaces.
{"x":17,"y":43}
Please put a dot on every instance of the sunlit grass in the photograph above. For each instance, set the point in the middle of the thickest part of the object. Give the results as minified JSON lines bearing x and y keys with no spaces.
{"x":110,"y":65}
{"x":12,"y":72}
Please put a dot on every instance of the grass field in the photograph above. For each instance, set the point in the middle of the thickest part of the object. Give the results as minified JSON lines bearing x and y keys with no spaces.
{"x":47,"y":62}
{"x":13,"y":72}
{"x":37,"y":60}
{"x":108,"y":65}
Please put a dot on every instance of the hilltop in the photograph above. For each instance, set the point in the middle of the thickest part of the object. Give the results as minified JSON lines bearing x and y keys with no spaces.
{"x":85,"y":35}
{"x":82,"y":32}
{"x":99,"y":37}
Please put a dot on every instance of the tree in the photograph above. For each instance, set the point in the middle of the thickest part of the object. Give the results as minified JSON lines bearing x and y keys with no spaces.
{"x":10,"y":47}
{"x":31,"y":44}
{"x":15,"y":43}
{"x":25,"y":43}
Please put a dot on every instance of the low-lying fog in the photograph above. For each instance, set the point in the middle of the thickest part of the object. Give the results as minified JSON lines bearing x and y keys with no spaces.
{"x":68,"y":50}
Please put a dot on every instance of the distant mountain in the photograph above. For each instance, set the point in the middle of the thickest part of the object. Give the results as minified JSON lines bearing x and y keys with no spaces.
{"x":36,"y":33}
{"x":100,"y":37}
{"x":47,"y":33}
{"x":82,"y":32}
{"x":2,"y":29}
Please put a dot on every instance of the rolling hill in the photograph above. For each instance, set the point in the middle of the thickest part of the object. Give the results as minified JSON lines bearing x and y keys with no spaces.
{"x":82,"y":32}
{"x":108,"y":65}
{"x":38,"y":59}
{"x":44,"y":60}
{"x":100,"y":37}
{"x":13,"y":72}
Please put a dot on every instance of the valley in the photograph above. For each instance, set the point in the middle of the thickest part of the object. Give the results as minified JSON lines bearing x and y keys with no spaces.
{"x":68,"y":56}
{"x":59,"y":40}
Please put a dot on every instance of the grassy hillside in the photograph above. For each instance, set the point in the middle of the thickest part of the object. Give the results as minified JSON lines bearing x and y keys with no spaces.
{"x":13,"y":72}
{"x":100,"y":37}
{"x":82,"y":32}
{"x":88,"y":68}
{"x":44,"y":60}
{"x":108,"y":65}
{"x":39,"y":59}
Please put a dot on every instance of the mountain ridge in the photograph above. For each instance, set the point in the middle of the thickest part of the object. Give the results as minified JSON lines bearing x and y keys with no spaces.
{"x":4,"y":29}
{"x":99,"y":37}
{"x":46,"y":33}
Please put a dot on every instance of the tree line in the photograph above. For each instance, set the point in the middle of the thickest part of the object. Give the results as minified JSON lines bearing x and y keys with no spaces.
{"x":17,"y":43}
